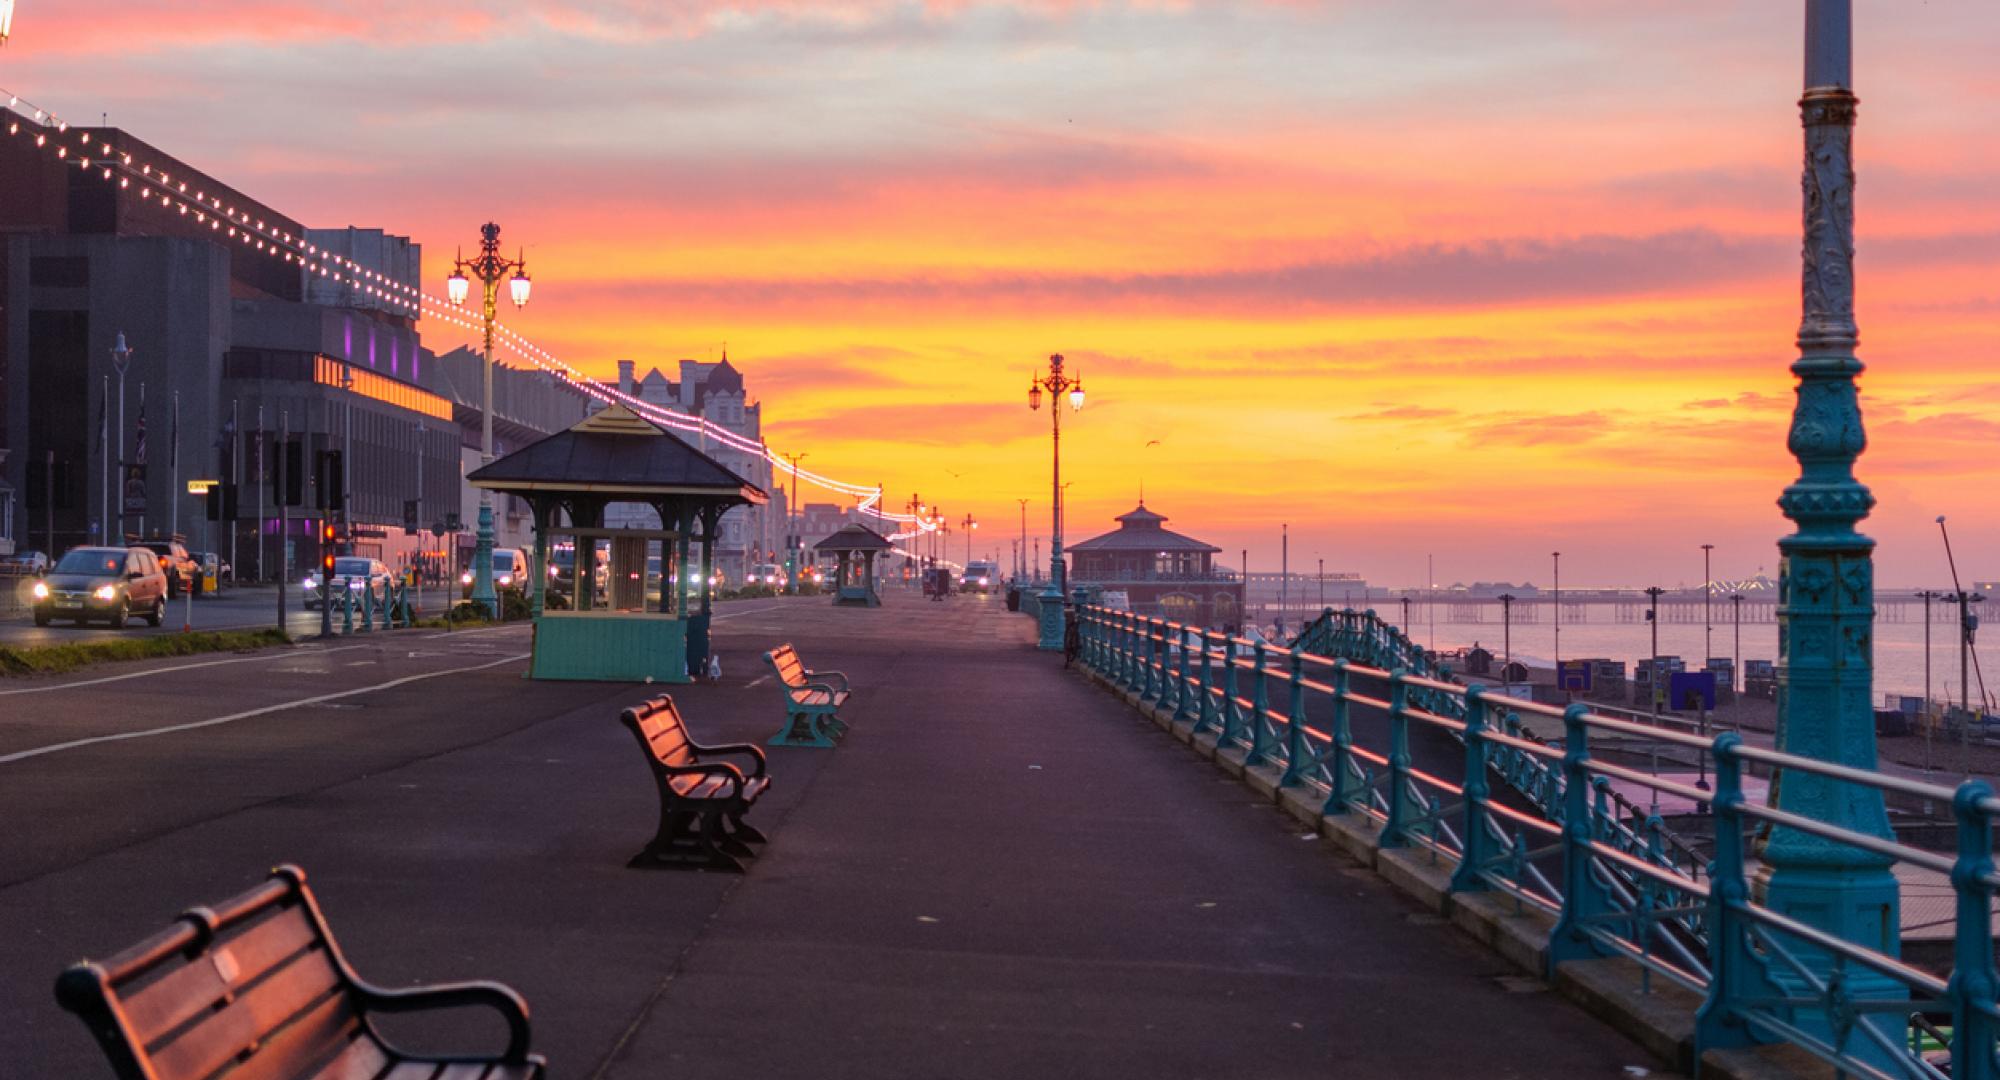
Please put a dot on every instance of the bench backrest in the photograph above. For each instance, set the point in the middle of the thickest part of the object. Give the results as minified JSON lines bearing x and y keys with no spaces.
{"x":253,"y":989}
{"x":785,"y":661}
{"x":661,"y":730}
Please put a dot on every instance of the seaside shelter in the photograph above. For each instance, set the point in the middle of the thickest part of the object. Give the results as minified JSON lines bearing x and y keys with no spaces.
{"x":855,"y":546}
{"x":634,"y":603}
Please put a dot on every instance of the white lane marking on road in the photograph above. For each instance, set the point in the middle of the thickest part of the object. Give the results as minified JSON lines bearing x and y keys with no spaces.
{"x":474,"y":633}
{"x":758,"y":681}
{"x":290,"y":655}
{"x":282,"y":706}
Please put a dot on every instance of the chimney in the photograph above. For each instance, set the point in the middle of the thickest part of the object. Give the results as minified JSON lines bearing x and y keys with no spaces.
{"x":624,"y":376}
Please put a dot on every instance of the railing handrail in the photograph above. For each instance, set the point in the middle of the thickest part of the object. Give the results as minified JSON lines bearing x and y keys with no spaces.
{"x":1618,"y":886}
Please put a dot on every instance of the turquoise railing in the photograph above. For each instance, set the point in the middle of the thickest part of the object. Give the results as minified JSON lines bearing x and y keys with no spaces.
{"x":1764,"y":976}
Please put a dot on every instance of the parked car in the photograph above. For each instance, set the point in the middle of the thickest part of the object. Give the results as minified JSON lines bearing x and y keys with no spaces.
{"x":979,"y":576}
{"x":767,"y":574}
{"x":353,"y":574}
{"x":109,"y":583}
{"x":24,"y":564}
{"x":183,"y":575}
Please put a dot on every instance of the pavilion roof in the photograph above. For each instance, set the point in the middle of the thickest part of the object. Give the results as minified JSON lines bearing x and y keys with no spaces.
{"x":854,"y":537}
{"x":616,"y":452}
{"x":1139,"y":530}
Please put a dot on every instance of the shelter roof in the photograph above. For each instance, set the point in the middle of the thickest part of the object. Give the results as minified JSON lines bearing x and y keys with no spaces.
{"x":854,"y":537}
{"x":616,"y":452}
{"x":1139,"y":530}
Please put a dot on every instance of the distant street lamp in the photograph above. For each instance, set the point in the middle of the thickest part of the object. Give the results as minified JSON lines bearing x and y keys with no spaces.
{"x":1021,"y":554}
{"x":1653,"y":672}
{"x":795,"y":523}
{"x":969,"y":526}
{"x":1557,"y":558}
{"x":1057,"y":384}
{"x":1507,"y":639}
{"x":490,"y":268}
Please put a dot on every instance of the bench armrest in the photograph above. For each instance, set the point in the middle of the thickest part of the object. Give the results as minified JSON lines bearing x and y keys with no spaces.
{"x":822,"y":675}
{"x":739,"y":749}
{"x":709,"y":768}
{"x":810,"y":688}
{"x":511,"y":1006}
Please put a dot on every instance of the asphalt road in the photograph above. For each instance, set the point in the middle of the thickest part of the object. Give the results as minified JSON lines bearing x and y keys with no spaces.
{"x":1001,"y":872}
{"x":244,"y":607}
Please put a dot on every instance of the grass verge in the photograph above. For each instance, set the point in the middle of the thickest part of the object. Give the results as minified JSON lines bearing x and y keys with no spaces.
{"x":56,"y":659}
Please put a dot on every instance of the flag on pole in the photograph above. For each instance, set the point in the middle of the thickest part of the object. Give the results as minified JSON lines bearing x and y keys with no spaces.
{"x":139,"y":450}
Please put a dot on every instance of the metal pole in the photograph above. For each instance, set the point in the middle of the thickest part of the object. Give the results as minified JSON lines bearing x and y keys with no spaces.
{"x":1707,"y":613}
{"x":121,"y":455}
{"x":103,"y":469}
{"x":1021,"y":570}
{"x":1736,"y":667}
{"x":1284,"y":574}
{"x":1826,"y":681}
{"x":1653,"y":670}
{"x":421,"y":432}
{"x":1507,"y":640}
{"x":174,"y":467}
{"x":235,"y":473}
{"x":263,"y":568}
{"x":1557,"y":557}
{"x":1928,"y":714}
{"x":1964,"y":687}
{"x":284,"y":515}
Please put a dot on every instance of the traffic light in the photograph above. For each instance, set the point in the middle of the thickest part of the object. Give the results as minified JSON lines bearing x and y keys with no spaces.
{"x":332,"y":481}
{"x":327,"y":542}
{"x":288,"y":480}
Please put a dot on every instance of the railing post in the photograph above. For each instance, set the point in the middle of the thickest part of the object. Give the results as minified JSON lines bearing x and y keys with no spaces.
{"x":1584,"y":901}
{"x":1229,"y":691}
{"x":1473,"y":834}
{"x":1121,"y":656}
{"x":1186,"y":708}
{"x":1155,"y":685}
{"x":1735,"y":969}
{"x":346,"y":610}
{"x":1343,"y":744}
{"x":1205,"y":712}
{"x":367,"y":610}
{"x":1298,"y":748}
{"x":1395,"y":830}
{"x":1135,"y":672}
{"x":1260,"y":709}
{"x":1974,"y":984}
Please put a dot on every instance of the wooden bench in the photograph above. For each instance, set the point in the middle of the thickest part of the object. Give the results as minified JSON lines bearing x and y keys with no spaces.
{"x":812,"y":699}
{"x":255,"y":989}
{"x":702,"y":801}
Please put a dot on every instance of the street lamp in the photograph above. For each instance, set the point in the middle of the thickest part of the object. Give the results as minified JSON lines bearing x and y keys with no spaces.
{"x":969,"y":526}
{"x":1653,"y":670}
{"x":1557,"y":558}
{"x":796,"y":526}
{"x":1507,"y":639}
{"x":1056,"y":383}
{"x":490,"y":268}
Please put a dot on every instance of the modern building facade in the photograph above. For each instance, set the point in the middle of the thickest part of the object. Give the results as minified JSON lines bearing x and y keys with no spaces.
{"x":1162,"y":573}
{"x":236,"y":352}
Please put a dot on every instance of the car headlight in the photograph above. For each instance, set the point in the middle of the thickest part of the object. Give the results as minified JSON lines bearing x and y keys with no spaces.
{"x":353,"y":585}
{"x":105,"y":592}
{"x":311,"y":584}
{"x":41,"y":591}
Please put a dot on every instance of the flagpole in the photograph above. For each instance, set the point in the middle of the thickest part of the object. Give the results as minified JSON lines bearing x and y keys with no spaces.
{"x":104,"y":466}
{"x":174,"y":470}
{"x":235,"y":471}
{"x":139,"y":452}
{"x":263,"y":568}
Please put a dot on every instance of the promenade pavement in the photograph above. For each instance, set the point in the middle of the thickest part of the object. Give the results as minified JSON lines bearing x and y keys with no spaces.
{"x":1002,"y":871}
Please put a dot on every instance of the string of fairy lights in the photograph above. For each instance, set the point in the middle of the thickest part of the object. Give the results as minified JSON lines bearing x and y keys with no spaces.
{"x":92,"y":152}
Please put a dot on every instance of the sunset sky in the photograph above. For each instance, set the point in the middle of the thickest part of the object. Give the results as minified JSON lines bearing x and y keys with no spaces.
{"x":1473,"y":278}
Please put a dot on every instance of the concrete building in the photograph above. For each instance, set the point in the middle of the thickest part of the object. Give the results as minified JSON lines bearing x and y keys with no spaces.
{"x":715,"y":392}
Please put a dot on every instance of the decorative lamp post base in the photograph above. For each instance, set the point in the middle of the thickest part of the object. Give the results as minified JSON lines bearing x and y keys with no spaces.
{"x":482,"y":565}
{"x":1050,"y":615}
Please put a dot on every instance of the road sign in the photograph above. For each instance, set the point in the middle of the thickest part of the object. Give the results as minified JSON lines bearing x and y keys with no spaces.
{"x":1576,"y":676}
{"x":200,"y":487}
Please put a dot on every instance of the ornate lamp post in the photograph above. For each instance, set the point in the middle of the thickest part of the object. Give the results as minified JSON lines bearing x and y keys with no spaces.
{"x":1057,"y":384}
{"x":970,"y":525}
{"x":489,"y":268}
{"x":1826,"y":597}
